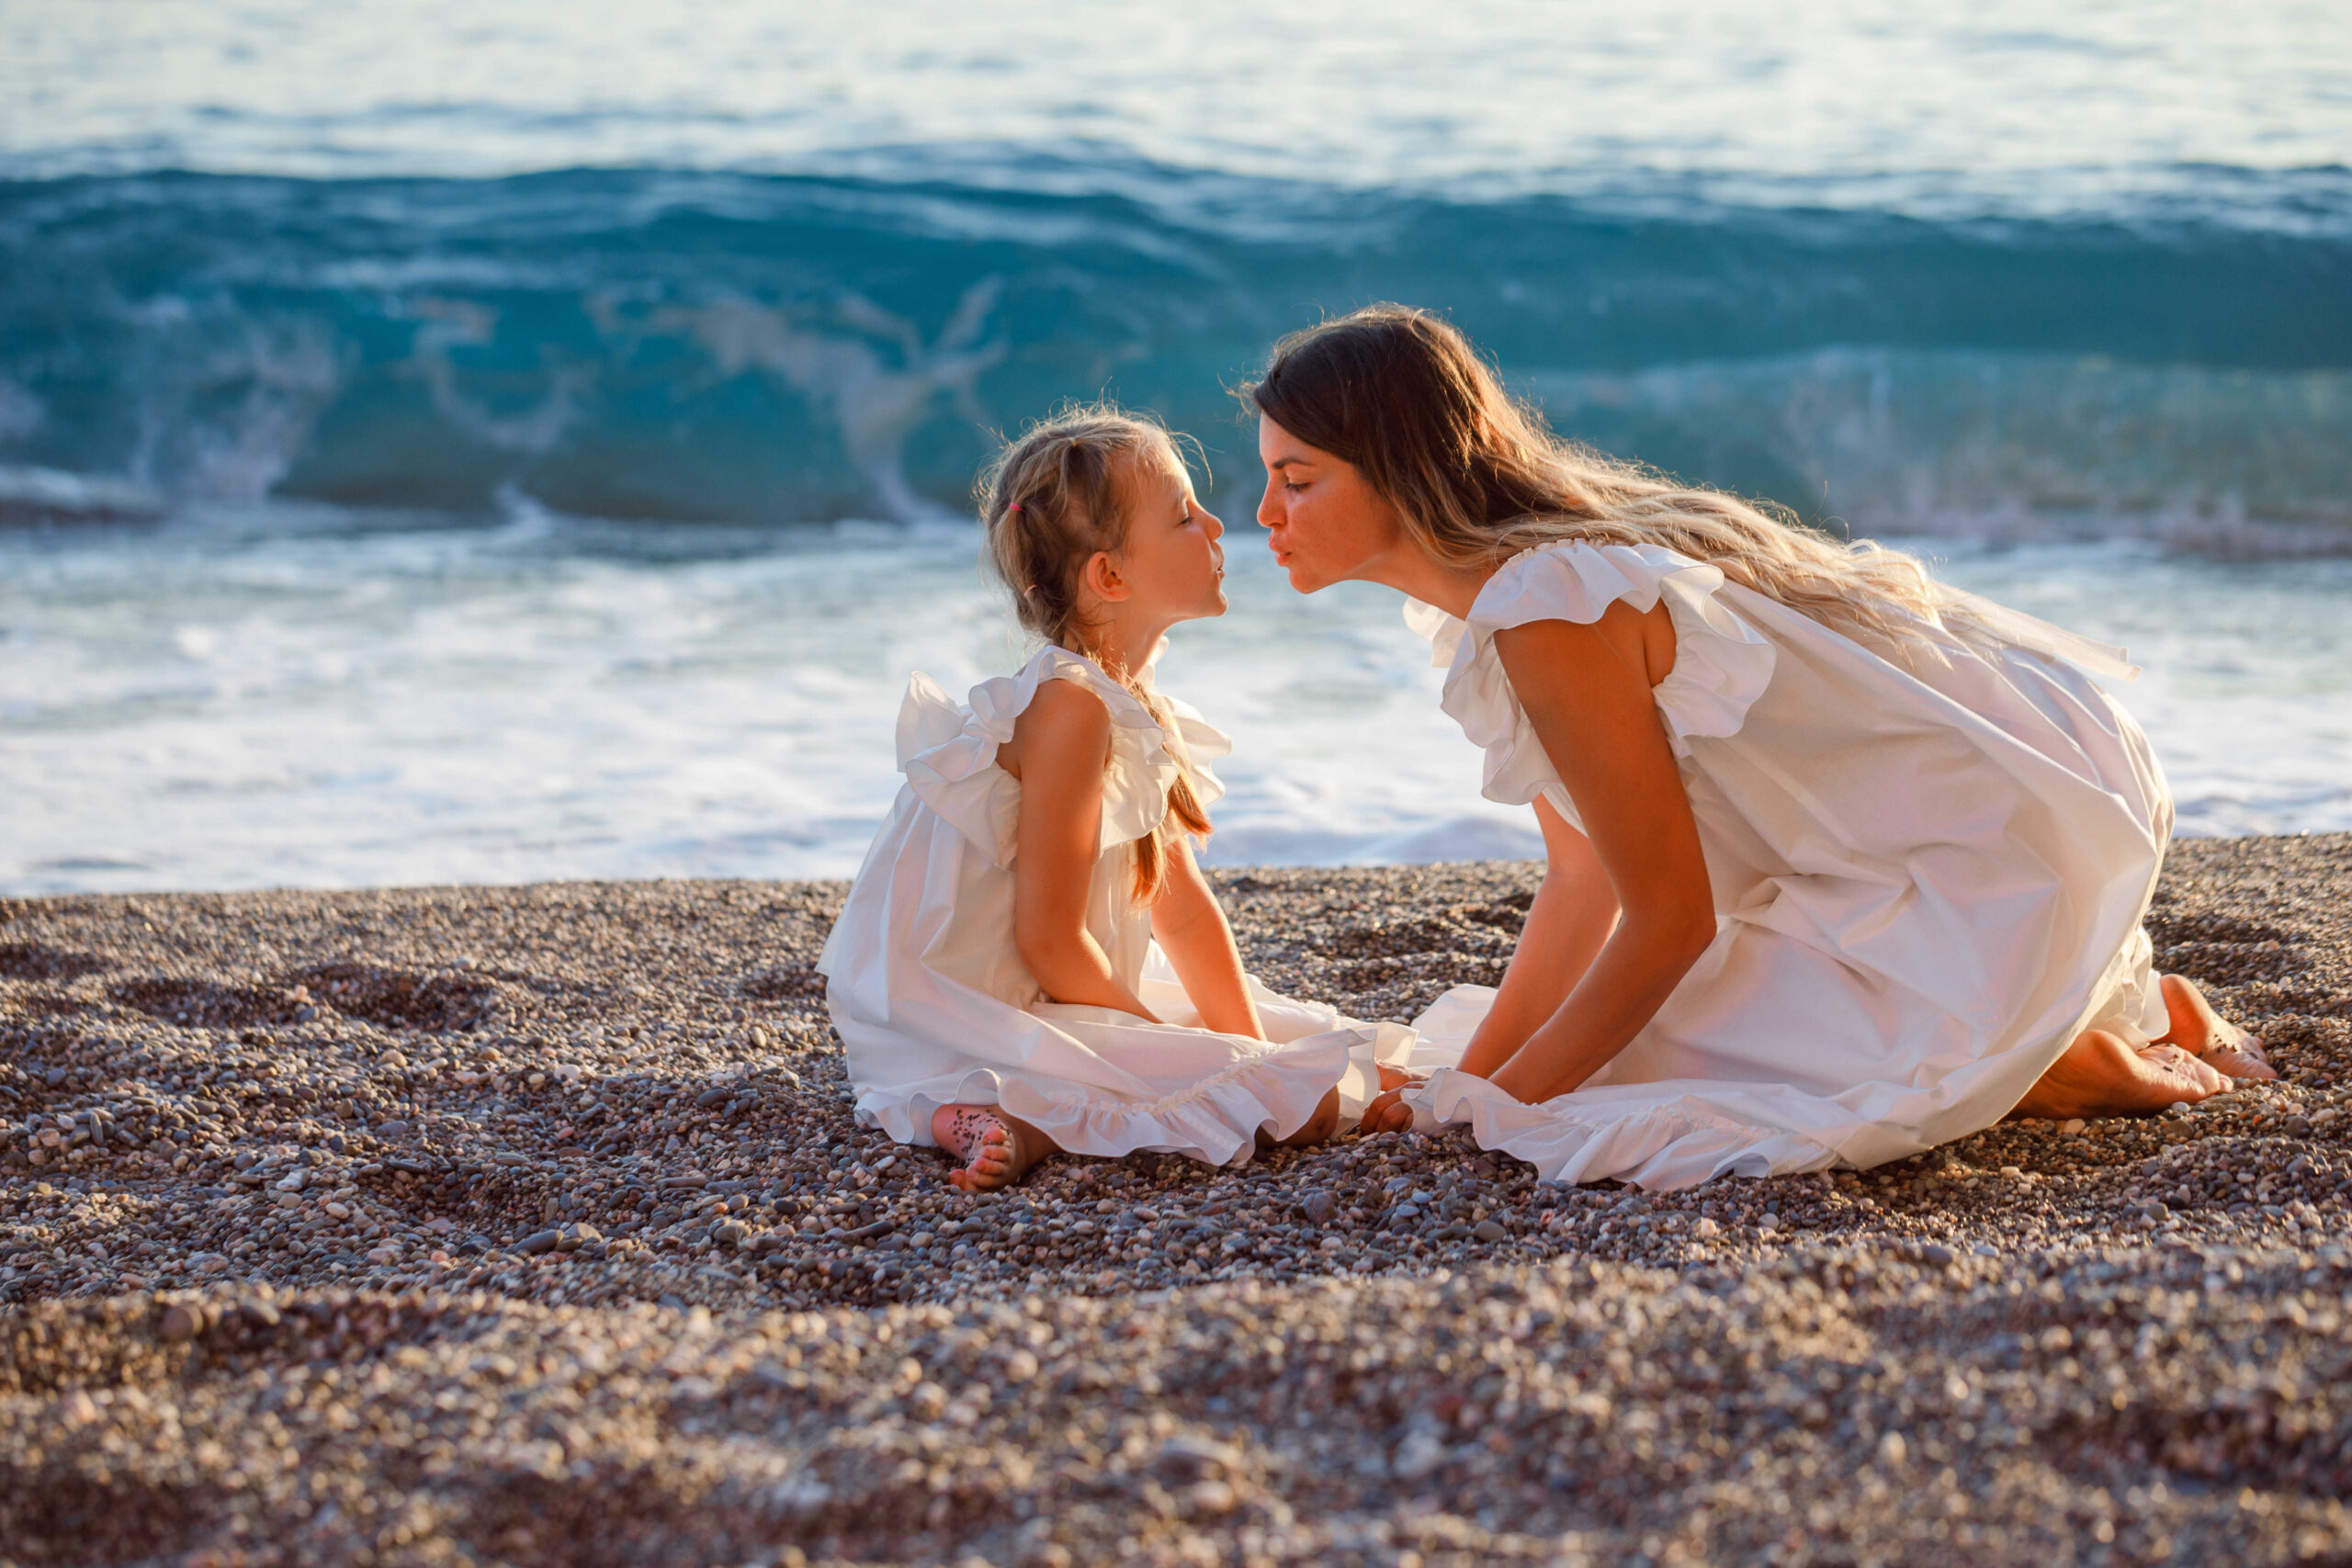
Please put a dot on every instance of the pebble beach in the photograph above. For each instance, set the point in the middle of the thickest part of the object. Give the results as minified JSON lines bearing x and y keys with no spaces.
{"x":531,"y":1226}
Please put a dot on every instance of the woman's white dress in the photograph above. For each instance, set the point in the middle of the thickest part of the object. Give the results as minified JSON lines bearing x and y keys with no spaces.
{"x":1927,"y":880}
{"x":935,"y":1008}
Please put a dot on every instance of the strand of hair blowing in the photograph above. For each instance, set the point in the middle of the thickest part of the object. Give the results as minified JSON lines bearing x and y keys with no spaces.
{"x":1049,"y":503}
{"x":1476,"y":478}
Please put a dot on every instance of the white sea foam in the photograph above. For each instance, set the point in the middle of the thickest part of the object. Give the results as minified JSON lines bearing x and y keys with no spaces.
{"x":302,"y":697}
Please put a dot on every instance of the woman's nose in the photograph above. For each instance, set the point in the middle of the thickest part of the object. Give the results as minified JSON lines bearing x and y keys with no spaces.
{"x":1269,"y":513}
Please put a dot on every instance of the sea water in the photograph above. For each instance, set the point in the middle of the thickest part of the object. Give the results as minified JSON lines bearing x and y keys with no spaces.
{"x":496,"y":442}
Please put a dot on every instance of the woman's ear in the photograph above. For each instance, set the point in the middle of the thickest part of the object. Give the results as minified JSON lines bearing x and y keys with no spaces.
{"x":1102,"y":580}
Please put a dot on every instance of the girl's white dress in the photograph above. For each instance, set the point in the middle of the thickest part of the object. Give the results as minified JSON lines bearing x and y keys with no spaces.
{"x":935,"y":1008}
{"x":1927,"y":880}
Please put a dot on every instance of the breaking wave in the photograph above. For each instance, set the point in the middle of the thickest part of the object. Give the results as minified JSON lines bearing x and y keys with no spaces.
{"x":651,"y":345}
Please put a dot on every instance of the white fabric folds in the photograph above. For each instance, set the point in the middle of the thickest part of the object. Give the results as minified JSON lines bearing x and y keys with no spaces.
{"x":1929,"y":877}
{"x":935,"y":1008}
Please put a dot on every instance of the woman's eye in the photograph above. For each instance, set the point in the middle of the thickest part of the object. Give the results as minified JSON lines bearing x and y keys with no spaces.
{"x":1293,"y":485}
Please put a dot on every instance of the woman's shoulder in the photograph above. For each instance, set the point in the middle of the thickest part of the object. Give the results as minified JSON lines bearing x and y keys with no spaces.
{"x":1720,"y":662}
{"x":1561,"y":580}
{"x":1575,"y":580}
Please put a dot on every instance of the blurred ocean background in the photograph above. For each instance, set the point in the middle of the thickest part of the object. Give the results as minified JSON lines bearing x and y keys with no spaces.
{"x":508,"y":440}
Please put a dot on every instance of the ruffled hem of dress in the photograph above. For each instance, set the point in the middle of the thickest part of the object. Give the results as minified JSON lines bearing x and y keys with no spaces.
{"x":1216,"y":1119}
{"x":948,"y":749}
{"x":1661,"y":1146}
{"x":1722,"y":665}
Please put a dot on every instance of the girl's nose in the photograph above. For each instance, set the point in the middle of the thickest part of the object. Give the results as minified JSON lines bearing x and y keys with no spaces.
{"x":1216,"y":524}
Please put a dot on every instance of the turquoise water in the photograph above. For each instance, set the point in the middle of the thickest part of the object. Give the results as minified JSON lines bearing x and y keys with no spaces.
{"x":502,"y":441}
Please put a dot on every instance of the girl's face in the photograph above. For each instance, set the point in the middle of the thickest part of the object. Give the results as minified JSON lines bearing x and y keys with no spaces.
{"x":1325,"y":521}
{"x":1171,"y":565}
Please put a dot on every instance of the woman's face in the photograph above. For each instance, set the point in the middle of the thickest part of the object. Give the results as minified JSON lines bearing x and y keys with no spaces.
{"x":1325,"y":521}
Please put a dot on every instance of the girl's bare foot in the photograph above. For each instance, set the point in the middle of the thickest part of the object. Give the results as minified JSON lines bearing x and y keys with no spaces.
{"x":997,"y":1149}
{"x":1315,"y":1130}
{"x":2211,"y":1038}
{"x":2100,"y":1074}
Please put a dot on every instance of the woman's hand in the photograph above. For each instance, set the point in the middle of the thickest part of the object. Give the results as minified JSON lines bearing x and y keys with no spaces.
{"x":1388,"y":1113}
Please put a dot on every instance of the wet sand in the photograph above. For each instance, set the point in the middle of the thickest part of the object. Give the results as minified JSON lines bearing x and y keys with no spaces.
{"x":530,"y":1225}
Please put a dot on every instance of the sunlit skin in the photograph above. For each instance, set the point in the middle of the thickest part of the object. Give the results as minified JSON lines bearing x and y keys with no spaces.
{"x":1624,"y":908}
{"x":1169,"y":570}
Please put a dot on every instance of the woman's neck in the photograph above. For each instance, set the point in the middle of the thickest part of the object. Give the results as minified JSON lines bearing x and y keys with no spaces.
{"x":1412,"y":569}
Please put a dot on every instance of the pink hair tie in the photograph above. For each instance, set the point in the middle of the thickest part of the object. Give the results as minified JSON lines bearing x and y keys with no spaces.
{"x":1015,"y":507}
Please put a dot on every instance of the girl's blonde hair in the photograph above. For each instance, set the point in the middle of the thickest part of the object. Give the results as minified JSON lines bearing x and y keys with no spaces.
{"x":1476,"y":478}
{"x":1049,"y":501}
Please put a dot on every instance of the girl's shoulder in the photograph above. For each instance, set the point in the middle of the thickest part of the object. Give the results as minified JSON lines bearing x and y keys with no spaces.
{"x":952,"y":752}
{"x":1054,"y":671}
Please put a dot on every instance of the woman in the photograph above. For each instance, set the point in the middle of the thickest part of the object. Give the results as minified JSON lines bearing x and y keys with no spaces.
{"x":1842,"y":863}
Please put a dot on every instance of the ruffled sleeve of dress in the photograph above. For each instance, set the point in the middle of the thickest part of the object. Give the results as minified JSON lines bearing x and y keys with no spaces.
{"x":948,"y":749}
{"x":1722,"y":663}
{"x":1198,"y":740}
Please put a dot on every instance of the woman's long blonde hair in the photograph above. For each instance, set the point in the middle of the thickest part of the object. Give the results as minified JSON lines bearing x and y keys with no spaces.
{"x":1049,"y":501}
{"x":1476,"y":478}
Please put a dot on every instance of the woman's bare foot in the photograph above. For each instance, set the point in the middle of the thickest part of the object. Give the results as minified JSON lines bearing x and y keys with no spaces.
{"x":997,"y":1149}
{"x":2208,"y":1036}
{"x":2100,"y":1074}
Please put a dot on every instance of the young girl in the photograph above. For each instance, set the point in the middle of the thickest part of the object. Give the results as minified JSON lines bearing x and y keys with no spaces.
{"x":1030,"y":959}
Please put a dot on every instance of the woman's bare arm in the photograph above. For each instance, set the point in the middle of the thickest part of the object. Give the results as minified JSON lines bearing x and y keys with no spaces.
{"x":1060,"y":745}
{"x":1191,"y":928}
{"x":1574,"y":912}
{"x":1586,"y":692}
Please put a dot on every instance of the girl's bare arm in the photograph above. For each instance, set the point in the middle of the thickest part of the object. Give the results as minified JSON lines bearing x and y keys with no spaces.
{"x":1060,"y":745}
{"x":1191,"y":928}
